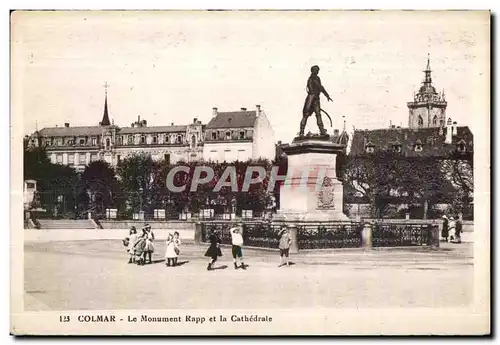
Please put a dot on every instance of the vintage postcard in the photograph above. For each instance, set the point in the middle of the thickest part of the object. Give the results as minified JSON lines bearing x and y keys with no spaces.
{"x":250,"y":173}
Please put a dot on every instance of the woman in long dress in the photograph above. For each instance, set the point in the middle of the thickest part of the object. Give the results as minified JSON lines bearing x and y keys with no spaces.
{"x":213,"y":252}
{"x":451,"y":229}
{"x":444,"y":231}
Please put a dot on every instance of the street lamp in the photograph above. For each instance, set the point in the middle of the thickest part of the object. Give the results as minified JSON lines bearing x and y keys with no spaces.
{"x":140,"y":204}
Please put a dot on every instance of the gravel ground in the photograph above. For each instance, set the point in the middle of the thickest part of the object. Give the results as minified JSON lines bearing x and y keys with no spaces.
{"x":94,"y":275}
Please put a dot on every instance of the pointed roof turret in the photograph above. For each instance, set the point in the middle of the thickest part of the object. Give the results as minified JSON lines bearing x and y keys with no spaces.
{"x":105,"y":117}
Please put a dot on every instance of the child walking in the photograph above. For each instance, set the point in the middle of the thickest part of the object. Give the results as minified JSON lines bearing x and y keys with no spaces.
{"x":170,"y":253}
{"x":284,"y":246}
{"x":237,"y":241}
{"x":213,"y":252}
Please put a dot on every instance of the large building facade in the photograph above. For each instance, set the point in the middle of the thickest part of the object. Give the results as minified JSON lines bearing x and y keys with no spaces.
{"x":229,"y":136}
{"x":239,"y":135}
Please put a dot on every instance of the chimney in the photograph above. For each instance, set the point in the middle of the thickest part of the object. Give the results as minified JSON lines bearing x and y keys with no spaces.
{"x":243,"y":109}
{"x":66,"y":124}
{"x":454,"y":128}
{"x":214,"y":111}
{"x":258,"y":109}
{"x":448,"y":132}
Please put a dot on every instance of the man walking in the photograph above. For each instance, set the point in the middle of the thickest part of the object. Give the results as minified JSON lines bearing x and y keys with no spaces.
{"x":237,"y":243}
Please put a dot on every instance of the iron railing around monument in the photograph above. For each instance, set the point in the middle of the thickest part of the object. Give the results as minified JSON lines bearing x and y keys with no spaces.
{"x":329,"y":235}
{"x":255,"y":234}
{"x":406,"y":234}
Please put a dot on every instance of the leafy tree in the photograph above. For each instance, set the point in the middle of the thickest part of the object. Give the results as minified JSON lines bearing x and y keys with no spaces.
{"x":137,"y":178}
{"x":98,"y":188}
{"x":55,"y":182}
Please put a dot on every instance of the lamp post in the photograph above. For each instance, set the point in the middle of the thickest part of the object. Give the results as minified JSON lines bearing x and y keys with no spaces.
{"x":141,"y":214}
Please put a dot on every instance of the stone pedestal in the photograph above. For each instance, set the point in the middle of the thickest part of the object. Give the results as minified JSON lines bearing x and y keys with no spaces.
{"x":312,"y":191}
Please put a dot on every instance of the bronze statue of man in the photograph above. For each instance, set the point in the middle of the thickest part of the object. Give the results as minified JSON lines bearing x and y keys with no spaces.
{"x":312,"y":103}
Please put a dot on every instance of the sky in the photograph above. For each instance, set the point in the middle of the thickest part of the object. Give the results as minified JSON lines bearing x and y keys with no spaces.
{"x":171,"y":67}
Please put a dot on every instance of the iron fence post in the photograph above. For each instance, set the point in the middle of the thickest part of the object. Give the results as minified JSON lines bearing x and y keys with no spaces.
{"x":198,"y":233}
{"x":294,"y":246}
{"x":366,"y":236}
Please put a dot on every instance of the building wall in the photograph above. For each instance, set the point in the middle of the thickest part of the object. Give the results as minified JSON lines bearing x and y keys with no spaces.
{"x":263,"y":145}
{"x":227,"y":151}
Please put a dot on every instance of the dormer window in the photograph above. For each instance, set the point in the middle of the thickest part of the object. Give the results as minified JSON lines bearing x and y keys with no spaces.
{"x":396,"y":147}
{"x":130,"y":140}
{"x":214,"y":135}
{"x":143,"y":139}
{"x":370,"y":148}
{"x":179,"y":139}
{"x":418,"y":145}
{"x":242,"y":134}
{"x":228,"y":135}
{"x":461,"y":146}
{"x":155,"y":139}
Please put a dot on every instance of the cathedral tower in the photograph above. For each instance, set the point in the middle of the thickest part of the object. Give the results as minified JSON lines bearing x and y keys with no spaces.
{"x":428,"y":108}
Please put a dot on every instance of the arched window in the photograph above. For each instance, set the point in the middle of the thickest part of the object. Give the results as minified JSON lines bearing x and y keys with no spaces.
{"x":108,"y":142}
{"x":420,"y":121}
{"x":193,"y":141}
{"x":435,"y":121}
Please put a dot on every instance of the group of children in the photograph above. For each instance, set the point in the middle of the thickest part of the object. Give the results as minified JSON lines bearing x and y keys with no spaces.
{"x":141,"y":247}
{"x":213,"y":252}
{"x":452,"y":230}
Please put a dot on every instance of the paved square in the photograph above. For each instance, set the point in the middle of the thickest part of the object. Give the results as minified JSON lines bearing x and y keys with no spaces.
{"x":90,"y":275}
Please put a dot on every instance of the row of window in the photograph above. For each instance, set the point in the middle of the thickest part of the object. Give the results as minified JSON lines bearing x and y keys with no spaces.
{"x":435,"y":121}
{"x":121,"y":140}
{"x":370,"y":148}
{"x":155,"y":139}
{"x":229,"y":135}
{"x":82,"y":158}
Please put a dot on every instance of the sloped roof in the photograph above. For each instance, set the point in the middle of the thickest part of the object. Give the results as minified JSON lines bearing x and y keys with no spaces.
{"x":433,"y":143}
{"x":97,"y":130}
{"x":70,"y":131}
{"x":233,"y":119}
{"x":155,"y":129}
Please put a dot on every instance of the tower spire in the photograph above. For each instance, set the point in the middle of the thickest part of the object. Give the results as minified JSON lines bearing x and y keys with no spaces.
{"x":105,"y":117}
{"x":428,"y":78}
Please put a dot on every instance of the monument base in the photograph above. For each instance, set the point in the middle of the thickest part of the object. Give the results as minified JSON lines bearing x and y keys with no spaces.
{"x":312,"y":192}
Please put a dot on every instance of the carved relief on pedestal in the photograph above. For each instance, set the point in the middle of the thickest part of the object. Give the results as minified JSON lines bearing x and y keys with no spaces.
{"x":326,"y":196}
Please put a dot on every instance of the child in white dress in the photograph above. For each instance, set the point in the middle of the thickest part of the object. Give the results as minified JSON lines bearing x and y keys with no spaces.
{"x":170,"y":253}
